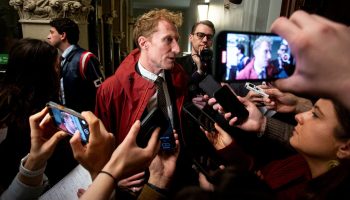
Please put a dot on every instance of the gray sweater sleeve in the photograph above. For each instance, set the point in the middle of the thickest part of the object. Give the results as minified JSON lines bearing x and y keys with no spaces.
{"x":20,"y":191}
{"x":279,"y":131}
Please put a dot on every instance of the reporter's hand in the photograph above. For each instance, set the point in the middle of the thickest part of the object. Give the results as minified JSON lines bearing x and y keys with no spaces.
{"x":255,"y":98}
{"x":254,"y":121}
{"x":317,"y":44}
{"x":126,"y":160}
{"x":255,"y":118}
{"x":96,"y":153}
{"x":163,"y":166}
{"x":44,"y":138}
{"x":285,"y":102}
{"x":200,"y":101}
{"x":133,"y":183}
{"x":219,"y":138}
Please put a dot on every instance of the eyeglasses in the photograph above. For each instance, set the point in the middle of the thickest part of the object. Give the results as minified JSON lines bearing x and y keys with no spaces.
{"x":201,"y":35}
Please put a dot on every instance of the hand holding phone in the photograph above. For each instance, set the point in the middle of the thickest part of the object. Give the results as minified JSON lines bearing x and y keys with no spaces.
{"x":155,"y":118}
{"x":69,"y":120}
{"x":225,"y":97}
{"x":200,"y":117}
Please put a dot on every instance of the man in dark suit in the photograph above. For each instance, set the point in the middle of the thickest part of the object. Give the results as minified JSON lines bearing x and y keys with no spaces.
{"x":201,"y":38}
{"x":81,"y":72}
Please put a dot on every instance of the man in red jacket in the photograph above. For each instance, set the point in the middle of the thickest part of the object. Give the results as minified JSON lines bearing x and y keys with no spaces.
{"x":131,"y":92}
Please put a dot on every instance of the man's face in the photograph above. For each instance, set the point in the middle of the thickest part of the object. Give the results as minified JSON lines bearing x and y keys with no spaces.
{"x":54,"y":38}
{"x":282,"y":50}
{"x":162,"y":47}
{"x":201,"y":38}
{"x":263,"y":54}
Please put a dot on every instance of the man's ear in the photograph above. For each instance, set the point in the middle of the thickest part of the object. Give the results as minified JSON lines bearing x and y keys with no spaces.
{"x":63,"y":36}
{"x":344,"y":150}
{"x":190,"y":37}
{"x":143,"y":42}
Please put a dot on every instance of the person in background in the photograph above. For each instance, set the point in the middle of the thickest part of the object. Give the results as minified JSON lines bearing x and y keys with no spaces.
{"x":31,"y":80}
{"x":81,"y":72}
{"x":201,"y":37}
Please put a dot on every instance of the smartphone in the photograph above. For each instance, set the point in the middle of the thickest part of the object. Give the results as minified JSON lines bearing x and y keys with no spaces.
{"x":251,"y":56}
{"x":208,"y":166}
{"x":200,"y":116}
{"x":225,"y":97}
{"x":155,"y":118}
{"x":69,"y":120}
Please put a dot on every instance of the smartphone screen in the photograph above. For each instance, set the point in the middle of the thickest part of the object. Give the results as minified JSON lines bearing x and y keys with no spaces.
{"x":69,"y":121}
{"x":251,"y":56}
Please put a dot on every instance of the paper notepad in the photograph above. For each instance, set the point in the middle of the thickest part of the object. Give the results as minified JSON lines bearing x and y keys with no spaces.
{"x":67,"y":188}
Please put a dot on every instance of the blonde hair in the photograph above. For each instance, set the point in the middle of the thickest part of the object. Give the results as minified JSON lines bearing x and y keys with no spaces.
{"x":147,"y":24}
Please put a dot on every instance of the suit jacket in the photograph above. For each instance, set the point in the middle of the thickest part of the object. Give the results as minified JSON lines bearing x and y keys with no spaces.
{"x":80,"y":92}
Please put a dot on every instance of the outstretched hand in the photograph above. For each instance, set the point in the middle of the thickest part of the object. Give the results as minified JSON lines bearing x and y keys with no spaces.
{"x":96,"y":153}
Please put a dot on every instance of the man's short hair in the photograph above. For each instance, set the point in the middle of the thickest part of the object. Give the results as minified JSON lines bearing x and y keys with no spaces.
{"x":147,"y":23}
{"x":240,"y":47}
{"x":260,"y":40}
{"x":68,"y":26}
{"x":204,"y":22}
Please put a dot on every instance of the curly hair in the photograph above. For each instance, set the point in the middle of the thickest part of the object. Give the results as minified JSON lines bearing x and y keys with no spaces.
{"x":30,"y":81}
{"x":147,"y":24}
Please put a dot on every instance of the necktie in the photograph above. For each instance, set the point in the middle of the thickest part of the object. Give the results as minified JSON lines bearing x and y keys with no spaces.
{"x":161,"y":95}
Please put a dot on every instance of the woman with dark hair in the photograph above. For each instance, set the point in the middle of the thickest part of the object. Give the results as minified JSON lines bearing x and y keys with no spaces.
{"x":320,"y":169}
{"x":31,"y":80}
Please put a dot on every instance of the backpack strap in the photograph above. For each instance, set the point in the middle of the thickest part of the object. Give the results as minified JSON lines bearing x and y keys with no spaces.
{"x":84,"y":59}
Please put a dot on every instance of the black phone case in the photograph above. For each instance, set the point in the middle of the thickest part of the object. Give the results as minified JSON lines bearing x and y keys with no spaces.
{"x":201,"y":117}
{"x":155,"y":118}
{"x":230,"y":103}
{"x":225,"y":97}
{"x":209,"y":85}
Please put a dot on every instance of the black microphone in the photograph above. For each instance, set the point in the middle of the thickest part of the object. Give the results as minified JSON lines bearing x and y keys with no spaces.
{"x":206,"y":56}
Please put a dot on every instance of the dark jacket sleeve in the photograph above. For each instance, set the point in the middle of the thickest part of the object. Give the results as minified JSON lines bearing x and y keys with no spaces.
{"x":94,"y":71}
{"x":149,"y":193}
